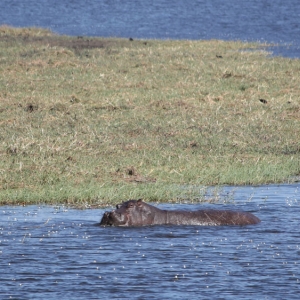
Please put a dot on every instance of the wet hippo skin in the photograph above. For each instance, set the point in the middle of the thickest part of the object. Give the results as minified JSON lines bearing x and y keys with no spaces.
{"x":139,"y":213}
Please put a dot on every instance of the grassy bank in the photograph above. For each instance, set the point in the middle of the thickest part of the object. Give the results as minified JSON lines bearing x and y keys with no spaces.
{"x":90,"y":120}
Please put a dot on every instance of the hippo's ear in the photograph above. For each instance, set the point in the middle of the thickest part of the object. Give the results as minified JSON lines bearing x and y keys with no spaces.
{"x":139,"y":202}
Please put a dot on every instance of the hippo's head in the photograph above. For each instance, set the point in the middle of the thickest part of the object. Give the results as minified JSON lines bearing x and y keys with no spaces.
{"x":129,"y":213}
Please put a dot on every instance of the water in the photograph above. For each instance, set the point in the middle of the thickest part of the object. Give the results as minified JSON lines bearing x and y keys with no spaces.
{"x":273,"y":21}
{"x":58,"y":253}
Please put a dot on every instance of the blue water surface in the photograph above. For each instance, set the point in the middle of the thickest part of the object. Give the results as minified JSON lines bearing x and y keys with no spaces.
{"x":274,"y":21}
{"x":49,"y":252}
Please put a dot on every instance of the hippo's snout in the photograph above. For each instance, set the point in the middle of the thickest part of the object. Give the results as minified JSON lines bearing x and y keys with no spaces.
{"x":106,"y":219}
{"x":113,"y":218}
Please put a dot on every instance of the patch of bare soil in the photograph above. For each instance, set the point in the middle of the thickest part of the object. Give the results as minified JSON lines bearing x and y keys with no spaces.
{"x":130,"y":174}
{"x":77,"y":44}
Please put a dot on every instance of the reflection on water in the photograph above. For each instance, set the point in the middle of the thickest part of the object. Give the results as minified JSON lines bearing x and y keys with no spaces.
{"x":51,"y":252}
{"x":269,"y":20}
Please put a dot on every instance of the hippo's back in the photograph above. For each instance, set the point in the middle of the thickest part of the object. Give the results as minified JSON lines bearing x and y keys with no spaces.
{"x":228,"y":217}
{"x":211,"y":217}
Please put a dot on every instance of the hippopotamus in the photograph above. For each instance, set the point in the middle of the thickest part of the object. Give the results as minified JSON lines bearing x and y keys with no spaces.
{"x":139,"y":213}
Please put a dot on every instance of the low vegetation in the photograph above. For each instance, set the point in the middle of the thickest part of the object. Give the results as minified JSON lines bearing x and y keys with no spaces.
{"x":92,"y":121}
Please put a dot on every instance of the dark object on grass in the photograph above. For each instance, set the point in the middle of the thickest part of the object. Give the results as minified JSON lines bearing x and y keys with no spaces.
{"x":263,"y":101}
{"x":139,"y":213}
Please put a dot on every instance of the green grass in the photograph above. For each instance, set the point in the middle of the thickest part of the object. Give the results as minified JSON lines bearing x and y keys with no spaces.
{"x":96,"y":121}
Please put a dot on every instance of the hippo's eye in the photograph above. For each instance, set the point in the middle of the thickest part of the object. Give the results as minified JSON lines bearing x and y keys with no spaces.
{"x":130,"y":205}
